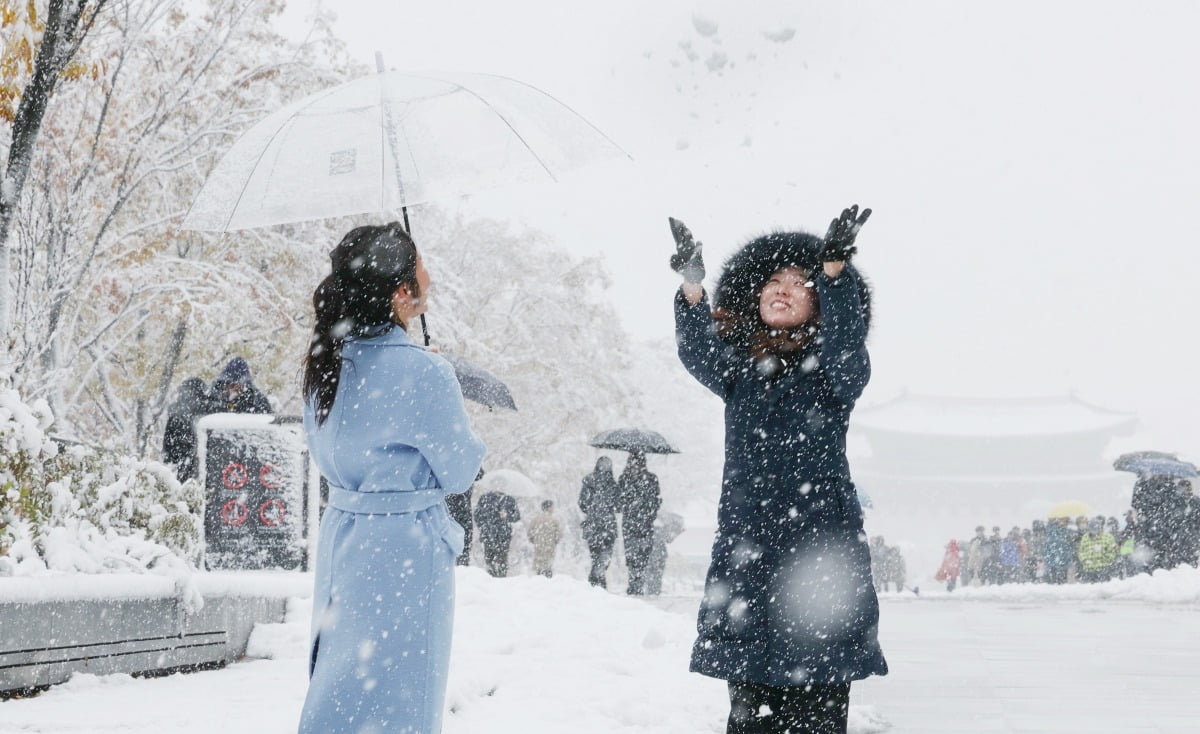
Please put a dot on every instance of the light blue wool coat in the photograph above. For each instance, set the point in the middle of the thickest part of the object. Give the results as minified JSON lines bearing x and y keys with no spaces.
{"x":397,"y":440}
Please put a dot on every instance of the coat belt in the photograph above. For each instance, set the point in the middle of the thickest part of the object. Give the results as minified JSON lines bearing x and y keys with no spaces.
{"x":384,"y":503}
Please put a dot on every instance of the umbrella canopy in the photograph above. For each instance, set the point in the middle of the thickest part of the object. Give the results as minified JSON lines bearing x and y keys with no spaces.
{"x":480,"y":385}
{"x":510,"y":482}
{"x":633,"y":439}
{"x":1155,"y":464}
{"x":390,"y":140}
{"x":1069,"y":509}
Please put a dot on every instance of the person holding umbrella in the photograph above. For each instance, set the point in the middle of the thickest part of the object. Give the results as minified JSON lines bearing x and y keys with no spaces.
{"x":640,"y":499}
{"x":789,"y":616}
{"x":386,"y":424}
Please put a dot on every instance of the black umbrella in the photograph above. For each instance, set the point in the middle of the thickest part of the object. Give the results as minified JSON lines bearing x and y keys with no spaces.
{"x":633,"y":439}
{"x":480,"y":385}
{"x":1155,"y":464}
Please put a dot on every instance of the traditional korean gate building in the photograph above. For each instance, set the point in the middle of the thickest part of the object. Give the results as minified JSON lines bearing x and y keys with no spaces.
{"x":938,"y":466}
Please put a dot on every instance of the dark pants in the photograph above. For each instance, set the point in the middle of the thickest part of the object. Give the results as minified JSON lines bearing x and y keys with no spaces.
{"x":459,"y":507}
{"x":601,"y":553}
{"x":495,"y":554}
{"x":1056,"y":574}
{"x":637,"y":555}
{"x":759,"y":709}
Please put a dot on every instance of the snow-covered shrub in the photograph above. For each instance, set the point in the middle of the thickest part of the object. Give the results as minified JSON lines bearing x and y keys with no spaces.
{"x":71,"y":508}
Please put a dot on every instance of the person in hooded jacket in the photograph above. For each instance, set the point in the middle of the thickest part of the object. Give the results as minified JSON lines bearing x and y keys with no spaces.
{"x":789,"y":616}
{"x":385,"y":423}
{"x":598,"y":501}
{"x":640,"y":500}
{"x":234,"y":392}
{"x":179,"y":437}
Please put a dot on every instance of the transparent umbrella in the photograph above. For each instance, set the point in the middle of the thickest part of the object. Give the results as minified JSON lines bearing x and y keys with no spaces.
{"x":388,"y":141}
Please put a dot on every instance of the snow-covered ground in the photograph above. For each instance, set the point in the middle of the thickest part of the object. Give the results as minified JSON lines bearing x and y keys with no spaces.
{"x":536,"y":656}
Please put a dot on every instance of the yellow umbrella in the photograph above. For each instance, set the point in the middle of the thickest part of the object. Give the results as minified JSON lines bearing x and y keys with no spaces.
{"x":1069,"y":509}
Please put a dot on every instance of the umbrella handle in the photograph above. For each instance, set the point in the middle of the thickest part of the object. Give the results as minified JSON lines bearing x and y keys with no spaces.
{"x":424,"y":329}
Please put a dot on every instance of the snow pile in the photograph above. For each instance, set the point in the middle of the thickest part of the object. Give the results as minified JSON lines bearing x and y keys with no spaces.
{"x":73,"y":509}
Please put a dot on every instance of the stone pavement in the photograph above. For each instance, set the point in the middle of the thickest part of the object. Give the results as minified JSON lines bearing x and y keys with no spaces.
{"x":983,"y":667}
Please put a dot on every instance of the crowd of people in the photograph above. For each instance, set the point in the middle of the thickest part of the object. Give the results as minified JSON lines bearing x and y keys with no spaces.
{"x":611,"y":508}
{"x":1162,"y":530}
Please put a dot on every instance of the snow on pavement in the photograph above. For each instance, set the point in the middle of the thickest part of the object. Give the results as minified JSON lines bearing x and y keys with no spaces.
{"x":536,"y":656}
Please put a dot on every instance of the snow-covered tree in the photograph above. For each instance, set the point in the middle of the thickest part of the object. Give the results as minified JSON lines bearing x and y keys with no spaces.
{"x":40,"y":44}
{"x":111,"y":300}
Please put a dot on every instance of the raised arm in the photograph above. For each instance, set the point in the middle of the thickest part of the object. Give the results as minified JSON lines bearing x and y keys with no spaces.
{"x":844,"y":335}
{"x":843,"y":319}
{"x":702,"y":352}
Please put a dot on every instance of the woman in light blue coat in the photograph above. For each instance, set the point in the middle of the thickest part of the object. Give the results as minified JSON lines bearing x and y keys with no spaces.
{"x":386,"y":426}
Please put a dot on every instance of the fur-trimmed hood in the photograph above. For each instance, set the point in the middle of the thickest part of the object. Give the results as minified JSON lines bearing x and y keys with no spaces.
{"x":735,"y":298}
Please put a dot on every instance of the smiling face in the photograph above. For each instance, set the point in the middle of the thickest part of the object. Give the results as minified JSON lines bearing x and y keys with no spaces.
{"x":788,"y":299}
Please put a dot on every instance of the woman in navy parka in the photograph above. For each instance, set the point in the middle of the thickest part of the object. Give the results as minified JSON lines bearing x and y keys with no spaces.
{"x":789,"y":616}
{"x":386,"y":425}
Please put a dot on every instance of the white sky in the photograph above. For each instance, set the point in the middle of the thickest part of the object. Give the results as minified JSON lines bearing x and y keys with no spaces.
{"x":1033,"y":167}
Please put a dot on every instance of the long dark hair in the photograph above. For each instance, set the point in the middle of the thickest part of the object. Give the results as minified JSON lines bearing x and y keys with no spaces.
{"x":369,"y":264}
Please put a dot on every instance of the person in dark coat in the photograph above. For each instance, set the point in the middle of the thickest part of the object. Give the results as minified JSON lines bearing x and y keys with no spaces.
{"x":495,"y":514}
{"x":234,"y":390}
{"x":179,"y":438}
{"x":640,"y":499}
{"x":789,"y":616}
{"x":598,"y":502}
{"x":1154,"y":502}
{"x":459,"y":506}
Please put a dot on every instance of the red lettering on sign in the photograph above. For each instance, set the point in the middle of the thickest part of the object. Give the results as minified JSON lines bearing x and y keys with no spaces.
{"x":266,"y":477}
{"x":272,"y":512}
{"x":234,"y":476}
{"x":235,"y":513}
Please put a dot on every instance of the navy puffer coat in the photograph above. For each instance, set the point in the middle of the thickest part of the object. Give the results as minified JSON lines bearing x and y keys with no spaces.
{"x":789,"y":598}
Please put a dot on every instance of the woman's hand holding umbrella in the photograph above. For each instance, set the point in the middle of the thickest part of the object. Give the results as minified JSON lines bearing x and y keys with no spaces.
{"x":688,"y":260}
{"x":839,"y":240}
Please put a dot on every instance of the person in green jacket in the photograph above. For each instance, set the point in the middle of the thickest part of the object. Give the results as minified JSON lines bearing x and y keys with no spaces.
{"x":1097,"y":553}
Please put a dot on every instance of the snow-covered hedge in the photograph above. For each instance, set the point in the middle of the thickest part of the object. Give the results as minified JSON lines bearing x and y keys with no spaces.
{"x":70,"y":508}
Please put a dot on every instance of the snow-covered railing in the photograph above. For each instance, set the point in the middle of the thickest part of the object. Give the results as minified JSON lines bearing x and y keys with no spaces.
{"x":53,"y":627}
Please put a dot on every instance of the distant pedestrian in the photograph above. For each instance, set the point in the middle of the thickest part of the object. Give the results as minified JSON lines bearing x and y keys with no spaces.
{"x":991,"y":557}
{"x":951,"y":563}
{"x":459,"y":506}
{"x":179,"y":439}
{"x":1011,"y":556}
{"x":897,"y":569}
{"x":598,"y":501}
{"x":640,"y":499}
{"x":665,"y":531}
{"x":975,"y":553}
{"x":1097,"y":553}
{"x":1035,"y":552}
{"x":234,"y":390}
{"x":544,"y":532}
{"x":1059,"y":550}
{"x":495,"y":514}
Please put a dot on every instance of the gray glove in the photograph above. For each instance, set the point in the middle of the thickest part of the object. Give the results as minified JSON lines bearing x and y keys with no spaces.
{"x":688,"y":260}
